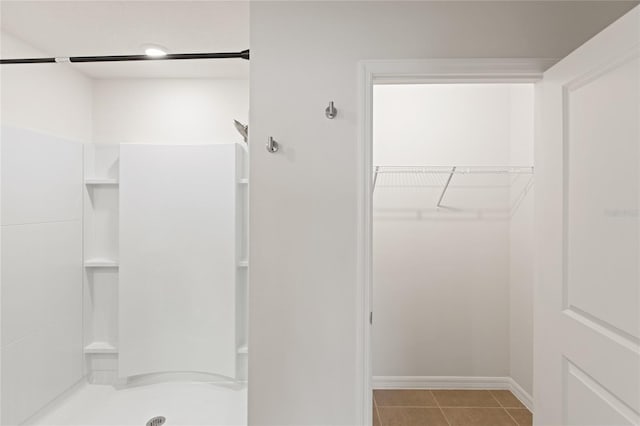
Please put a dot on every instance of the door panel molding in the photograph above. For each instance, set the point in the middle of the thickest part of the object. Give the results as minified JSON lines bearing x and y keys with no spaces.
{"x":601,"y":394}
{"x":587,"y":350}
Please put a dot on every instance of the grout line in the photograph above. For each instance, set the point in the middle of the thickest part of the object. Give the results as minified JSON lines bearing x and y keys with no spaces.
{"x":448,"y":406}
{"x":464,"y":406}
{"x":446,"y":419}
{"x":409,"y":405}
{"x":496,"y":399}
{"x":472,"y":408}
{"x":433,"y":395}
{"x":378,"y":413}
{"x":375,"y":405}
{"x":501,"y":404}
{"x":512,"y":418}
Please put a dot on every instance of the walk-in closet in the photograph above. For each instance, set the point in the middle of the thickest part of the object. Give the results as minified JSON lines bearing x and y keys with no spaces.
{"x":453,"y":188}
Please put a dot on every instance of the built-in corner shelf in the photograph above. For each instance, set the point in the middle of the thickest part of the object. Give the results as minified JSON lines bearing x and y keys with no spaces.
{"x":243,"y":264}
{"x":100,"y":263}
{"x":105,"y":181}
{"x":101,"y":269}
{"x":243,"y":181}
{"x":243,"y":350}
{"x":100,"y":348}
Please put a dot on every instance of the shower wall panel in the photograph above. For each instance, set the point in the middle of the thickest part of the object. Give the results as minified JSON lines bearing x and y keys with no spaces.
{"x":41,"y":270}
{"x":177,"y":292}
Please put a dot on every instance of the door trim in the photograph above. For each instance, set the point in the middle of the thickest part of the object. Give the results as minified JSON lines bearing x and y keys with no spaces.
{"x":508,"y":70}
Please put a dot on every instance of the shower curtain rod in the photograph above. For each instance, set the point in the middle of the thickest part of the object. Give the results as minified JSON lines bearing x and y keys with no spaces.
{"x":120,"y":58}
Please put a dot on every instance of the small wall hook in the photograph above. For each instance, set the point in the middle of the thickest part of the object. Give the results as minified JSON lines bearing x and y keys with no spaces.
{"x":331,"y":111}
{"x":272,"y":145}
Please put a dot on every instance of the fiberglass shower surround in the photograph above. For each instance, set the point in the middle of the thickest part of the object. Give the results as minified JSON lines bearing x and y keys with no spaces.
{"x":141,"y":248}
{"x":165,"y":257}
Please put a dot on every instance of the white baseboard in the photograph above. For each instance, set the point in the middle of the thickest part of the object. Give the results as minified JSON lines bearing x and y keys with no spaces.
{"x":440,"y":382}
{"x":521,"y":394}
{"x":453,"y":382}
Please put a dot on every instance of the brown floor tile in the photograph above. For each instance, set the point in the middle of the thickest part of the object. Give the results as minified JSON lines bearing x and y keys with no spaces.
{"x":478,"y":417}
{"x":404,"y":398}
{"x":522,"y":416}
{"x":411,"y":416}
{"x":465,"y":398}
{"x":507,"y":399}
{"x":376,"y":420}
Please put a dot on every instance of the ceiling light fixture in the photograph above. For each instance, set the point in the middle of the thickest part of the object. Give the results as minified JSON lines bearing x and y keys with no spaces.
{"x":155,"y":51}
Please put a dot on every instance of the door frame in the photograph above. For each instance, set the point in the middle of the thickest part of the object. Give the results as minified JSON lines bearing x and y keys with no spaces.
{"x":370,"y":72}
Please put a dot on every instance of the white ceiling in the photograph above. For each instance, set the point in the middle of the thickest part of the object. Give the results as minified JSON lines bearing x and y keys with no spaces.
{"x":79,"y":28}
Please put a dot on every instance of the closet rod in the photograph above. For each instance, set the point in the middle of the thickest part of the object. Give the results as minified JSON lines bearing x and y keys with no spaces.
{"x":120,"y":58}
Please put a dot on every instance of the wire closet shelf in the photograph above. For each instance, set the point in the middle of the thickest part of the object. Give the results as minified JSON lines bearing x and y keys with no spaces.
{"x":448,"y":172}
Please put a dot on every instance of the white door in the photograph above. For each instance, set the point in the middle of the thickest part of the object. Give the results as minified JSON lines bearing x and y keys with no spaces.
{"x":587,"y":319}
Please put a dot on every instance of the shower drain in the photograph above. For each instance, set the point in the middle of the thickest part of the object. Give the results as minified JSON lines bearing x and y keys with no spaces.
{"x":156,"y":421}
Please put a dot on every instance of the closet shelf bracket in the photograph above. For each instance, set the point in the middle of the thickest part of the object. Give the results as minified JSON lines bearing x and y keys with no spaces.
{"x":375,"y":178}
{"x":446,"y":186}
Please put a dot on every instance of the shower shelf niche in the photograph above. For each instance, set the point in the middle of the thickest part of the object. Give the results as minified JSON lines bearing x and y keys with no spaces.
{"x":100,"y":348}
{"x":100,"y":263}
{"x":101,"y":181}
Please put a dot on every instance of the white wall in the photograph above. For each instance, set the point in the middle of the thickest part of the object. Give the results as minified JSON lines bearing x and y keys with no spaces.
{"x":49,"y":98}
{"x":46,"y":115}
{"x":303,"y":199}
{"x":441,"y":124}
{"x":441,"y":276}
{"x":169,"y":110}
{"x":521,"y":235}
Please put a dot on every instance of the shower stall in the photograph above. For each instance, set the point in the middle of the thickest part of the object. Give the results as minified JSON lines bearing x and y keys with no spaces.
{"x":124,"y":238}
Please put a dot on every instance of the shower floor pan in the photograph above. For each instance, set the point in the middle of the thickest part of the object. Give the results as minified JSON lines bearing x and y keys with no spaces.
{"x":182,"y":404}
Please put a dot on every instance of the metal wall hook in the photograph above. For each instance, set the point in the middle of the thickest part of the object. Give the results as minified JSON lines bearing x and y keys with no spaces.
{"x":331,"y":111}
{"x":272,"y":145}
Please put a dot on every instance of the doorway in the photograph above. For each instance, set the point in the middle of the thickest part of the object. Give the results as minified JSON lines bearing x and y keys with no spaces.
{"x":433,"y":183}
{"x":452,"y":337}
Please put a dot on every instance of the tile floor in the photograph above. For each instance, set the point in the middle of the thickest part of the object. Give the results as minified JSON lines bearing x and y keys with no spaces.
{"x":448,"y":408}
